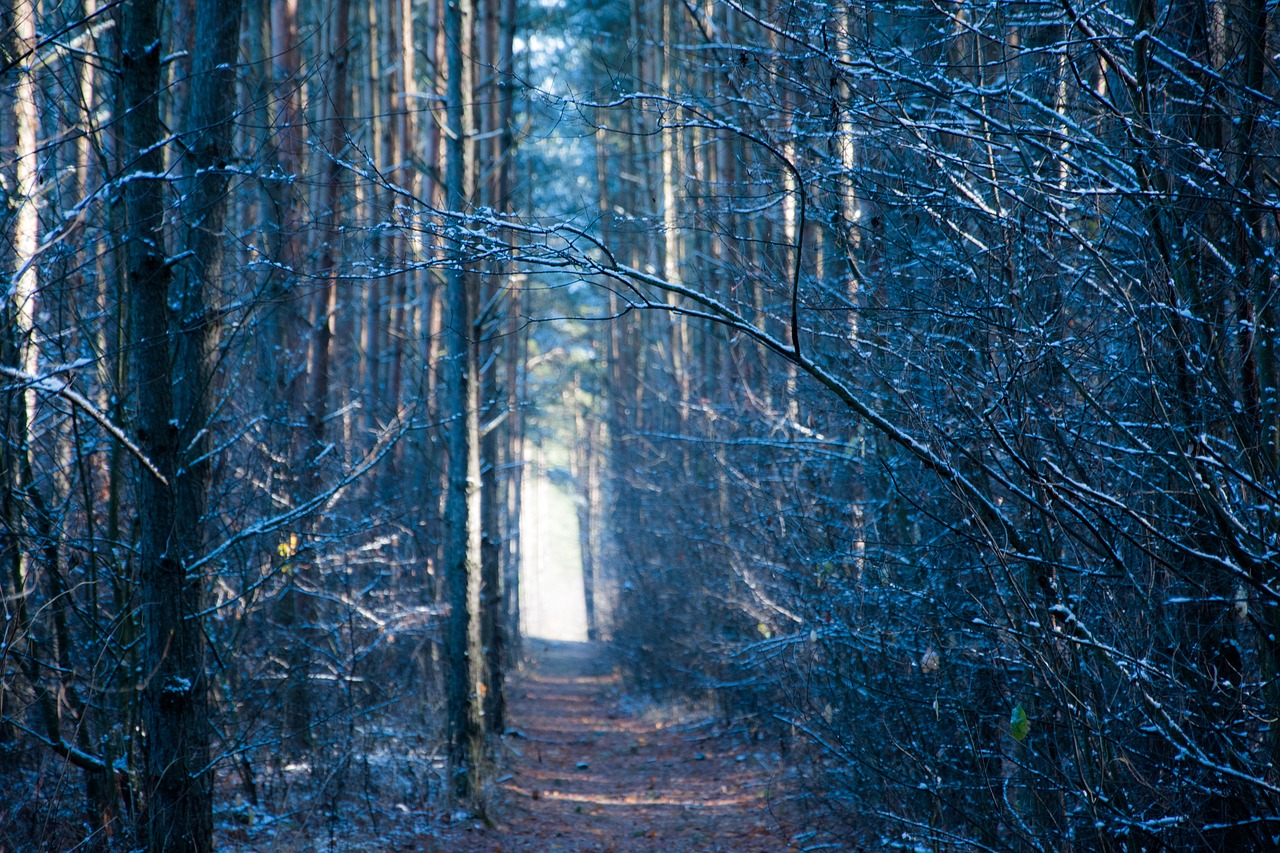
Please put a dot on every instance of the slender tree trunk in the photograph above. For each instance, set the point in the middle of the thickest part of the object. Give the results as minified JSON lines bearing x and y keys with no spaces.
{"x":583,"y":451}
{"x":462,"y":499}
{"x":102,"y":791}
{"x":492,"y":352}
{"x":26,"y":228}
{"x":17,"y":347}
{"x":326,"y":304}
{"x":491,"y":597}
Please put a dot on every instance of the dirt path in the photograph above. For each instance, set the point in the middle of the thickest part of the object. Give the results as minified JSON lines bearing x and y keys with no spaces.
{"x":589,"y":774}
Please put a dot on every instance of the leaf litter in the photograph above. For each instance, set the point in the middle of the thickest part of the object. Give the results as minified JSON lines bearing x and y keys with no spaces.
{"x":586,"y":770}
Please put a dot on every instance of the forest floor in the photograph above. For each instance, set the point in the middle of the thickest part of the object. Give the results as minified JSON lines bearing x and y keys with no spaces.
{"x":589,"y":771}
{"x":584,"y":768}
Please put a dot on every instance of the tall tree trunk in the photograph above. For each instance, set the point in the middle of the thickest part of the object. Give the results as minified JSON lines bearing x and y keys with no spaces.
{"x":173,"y":428}
{"x":177,"y":785}
{"x":514,"y":343}
{"x":17,"y":332}
{"x":493,"y":352}
{"x":462,"y":499}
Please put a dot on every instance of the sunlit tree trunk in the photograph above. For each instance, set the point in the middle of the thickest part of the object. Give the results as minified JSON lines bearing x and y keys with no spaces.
{"x":584,"y":451}
{"x":671,"y":164}
{"x":514,"y":347}
{"x":495,"y":35}
{"x":26,"y":223}
{"x":19,"y":133}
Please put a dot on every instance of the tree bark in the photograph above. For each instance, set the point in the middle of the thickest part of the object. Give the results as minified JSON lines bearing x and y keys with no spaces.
{"x":462,"y":500}
{"x":173,"y":427}
{"x":177,"y":809}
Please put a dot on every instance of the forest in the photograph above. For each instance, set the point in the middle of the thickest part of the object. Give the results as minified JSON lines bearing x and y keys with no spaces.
{"x":908,"y":370}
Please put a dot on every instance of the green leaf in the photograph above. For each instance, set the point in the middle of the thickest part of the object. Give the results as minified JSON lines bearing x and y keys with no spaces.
{"x":1019,"y":725}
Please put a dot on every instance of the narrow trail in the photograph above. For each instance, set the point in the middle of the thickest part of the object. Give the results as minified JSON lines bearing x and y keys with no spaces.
{"x":587,"y":773}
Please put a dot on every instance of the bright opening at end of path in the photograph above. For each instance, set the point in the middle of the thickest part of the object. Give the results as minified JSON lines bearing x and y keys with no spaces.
{"x":552,"y":606}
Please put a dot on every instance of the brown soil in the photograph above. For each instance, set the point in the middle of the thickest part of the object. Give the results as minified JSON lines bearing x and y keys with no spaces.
{"x":588,"y":772}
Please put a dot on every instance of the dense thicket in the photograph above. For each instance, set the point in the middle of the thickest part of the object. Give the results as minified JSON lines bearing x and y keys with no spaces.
{"x":227,"y":449}
{"x":957,"y":458}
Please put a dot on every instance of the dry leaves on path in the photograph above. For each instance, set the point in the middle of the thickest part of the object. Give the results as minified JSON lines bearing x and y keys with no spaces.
{"x":588,"y":774}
